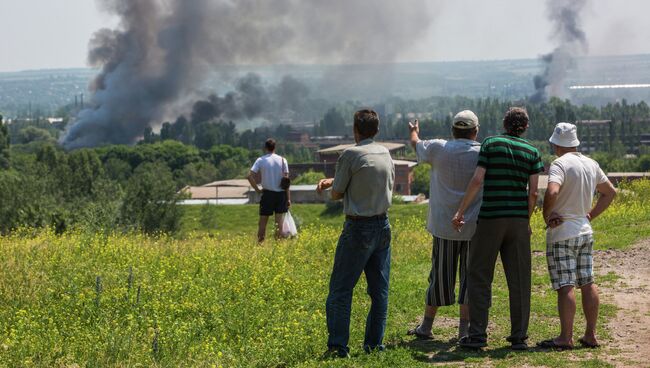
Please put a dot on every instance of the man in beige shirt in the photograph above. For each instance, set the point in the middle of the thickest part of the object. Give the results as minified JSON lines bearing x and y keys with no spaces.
{"x":364,"y":180}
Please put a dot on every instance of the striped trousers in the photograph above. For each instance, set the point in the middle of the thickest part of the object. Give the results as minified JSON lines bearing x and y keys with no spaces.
{"x":445,"y":258}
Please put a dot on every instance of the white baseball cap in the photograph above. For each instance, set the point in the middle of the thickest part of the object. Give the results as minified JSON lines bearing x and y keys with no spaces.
{"x":565,"y":135}
{"x":465,"y":119}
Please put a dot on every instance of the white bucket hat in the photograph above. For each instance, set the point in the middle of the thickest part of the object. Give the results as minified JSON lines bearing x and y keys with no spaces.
{"x":565,"y":135}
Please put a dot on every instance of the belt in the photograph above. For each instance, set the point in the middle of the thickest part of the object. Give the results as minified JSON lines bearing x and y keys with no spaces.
{"x":362,"y":218}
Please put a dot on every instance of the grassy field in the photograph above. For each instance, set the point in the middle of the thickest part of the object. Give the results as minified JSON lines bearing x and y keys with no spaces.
{"x":617,"y":228}
{"x":213,"y":298}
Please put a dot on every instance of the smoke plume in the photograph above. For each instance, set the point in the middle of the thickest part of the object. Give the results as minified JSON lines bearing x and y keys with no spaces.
{"x":565,"y":16}
{"x":163,"y":50}
{"x":251,"y":99}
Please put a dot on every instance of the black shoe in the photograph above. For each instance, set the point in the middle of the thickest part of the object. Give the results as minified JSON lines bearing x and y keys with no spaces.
{"x":335,"y":353}
{"x":472,"y":342}
{"x":519,"y":345}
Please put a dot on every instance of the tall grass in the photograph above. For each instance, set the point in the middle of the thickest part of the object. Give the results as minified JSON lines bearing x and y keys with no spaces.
{"x":128,"y":300}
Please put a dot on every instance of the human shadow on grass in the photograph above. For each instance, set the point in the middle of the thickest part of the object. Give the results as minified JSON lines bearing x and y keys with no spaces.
{"x":439,"y":351}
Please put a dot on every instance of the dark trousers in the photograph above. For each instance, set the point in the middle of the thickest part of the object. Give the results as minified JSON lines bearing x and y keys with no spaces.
{"x":510,"y":238}
{"x":364,"y":246}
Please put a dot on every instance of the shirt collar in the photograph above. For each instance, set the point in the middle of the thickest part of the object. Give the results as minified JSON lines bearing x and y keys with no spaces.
{"x":365,"y":141}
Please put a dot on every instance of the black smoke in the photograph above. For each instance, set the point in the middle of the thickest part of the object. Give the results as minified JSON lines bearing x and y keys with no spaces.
{"x":164,"y":50}
{"x":565,"y":16}
{"x":251,"y":99}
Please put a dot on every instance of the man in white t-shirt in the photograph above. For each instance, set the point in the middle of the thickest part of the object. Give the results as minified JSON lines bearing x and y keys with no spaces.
{"x":272,"y":169}
{"x":568,"y":212}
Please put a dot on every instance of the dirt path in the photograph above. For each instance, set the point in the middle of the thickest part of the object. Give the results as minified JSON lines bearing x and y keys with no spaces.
{"x":630,"y":330}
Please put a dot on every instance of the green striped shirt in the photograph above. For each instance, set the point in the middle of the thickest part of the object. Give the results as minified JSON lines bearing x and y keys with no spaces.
{"x":509,"y":162}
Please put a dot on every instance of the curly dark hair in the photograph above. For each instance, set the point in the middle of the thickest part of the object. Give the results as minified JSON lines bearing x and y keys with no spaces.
{"x":516,"y":121}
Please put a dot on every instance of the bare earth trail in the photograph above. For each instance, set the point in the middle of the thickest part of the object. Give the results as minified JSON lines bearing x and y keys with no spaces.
{"x":630,"y":329}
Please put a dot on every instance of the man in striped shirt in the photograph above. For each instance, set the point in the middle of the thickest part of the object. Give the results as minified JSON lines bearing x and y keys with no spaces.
{"x":507,"y":169}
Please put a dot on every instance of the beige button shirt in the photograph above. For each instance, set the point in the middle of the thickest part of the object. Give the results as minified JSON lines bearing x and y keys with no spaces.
{"x":365,"y":174}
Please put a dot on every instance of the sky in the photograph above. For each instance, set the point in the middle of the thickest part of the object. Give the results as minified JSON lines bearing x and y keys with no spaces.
{"x":45,"y":34}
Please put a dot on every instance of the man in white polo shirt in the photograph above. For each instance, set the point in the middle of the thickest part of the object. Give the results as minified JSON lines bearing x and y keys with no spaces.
{"x":274,"y":199}
{"x":568,"y":212}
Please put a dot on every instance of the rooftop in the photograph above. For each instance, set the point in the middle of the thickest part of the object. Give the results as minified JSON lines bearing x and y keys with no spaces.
{"x":213,"y":192}
{"x":341,"y":147}
{"x":228,"y":183}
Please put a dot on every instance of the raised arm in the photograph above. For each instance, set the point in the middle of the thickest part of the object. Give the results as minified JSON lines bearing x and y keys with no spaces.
{"x":414,"y":128}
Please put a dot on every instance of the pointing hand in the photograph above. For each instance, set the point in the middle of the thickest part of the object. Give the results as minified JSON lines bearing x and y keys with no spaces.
{"x":414,"y":126}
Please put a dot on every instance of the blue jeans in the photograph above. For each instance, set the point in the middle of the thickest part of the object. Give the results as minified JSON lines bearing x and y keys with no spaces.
{"x":364,"y":246}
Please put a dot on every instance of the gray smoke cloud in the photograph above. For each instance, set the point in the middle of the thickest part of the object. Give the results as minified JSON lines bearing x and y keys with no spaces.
{"x":251,"y":99}
{"x":163,"y":50}
{"x":565,"y":16}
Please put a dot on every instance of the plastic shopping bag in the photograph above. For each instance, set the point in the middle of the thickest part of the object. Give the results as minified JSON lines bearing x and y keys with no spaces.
{"x":288,"y":228}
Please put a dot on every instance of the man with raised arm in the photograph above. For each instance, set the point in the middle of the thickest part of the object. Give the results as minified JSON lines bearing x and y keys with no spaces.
{"x":508,"y":169}
{"x":572,"y":181}
{"x":364,"y":181}
{"x":452,"y":166}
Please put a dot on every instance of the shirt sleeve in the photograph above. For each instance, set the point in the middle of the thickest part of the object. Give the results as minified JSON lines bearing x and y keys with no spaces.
{"x":556,"y":174}
{"x":602,"y":178}
{"x":256,"y":166}
{"x":343,"y":174}
{"x":285,"y":167}
{"x":483,"y":156}
{"x":426,"y":150}
{"x":537,"y":166}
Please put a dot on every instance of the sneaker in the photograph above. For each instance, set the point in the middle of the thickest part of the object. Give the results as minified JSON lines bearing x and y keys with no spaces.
{"x":472,"y":342}
{"x":335,"y":353}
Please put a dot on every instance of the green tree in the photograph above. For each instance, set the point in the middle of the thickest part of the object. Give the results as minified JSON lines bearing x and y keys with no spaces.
{"x":85,"y":170}
{"x":421,"y":179}
{"x":333,"y":123}
{"x":230,"y":169}
{"x":33,"y":134}
{"x":117,"y":169}
{"x":198,"y":173}
{"x":150,"y":200}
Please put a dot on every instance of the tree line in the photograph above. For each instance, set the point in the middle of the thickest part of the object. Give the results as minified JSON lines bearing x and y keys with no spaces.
{"x":135,"y":187}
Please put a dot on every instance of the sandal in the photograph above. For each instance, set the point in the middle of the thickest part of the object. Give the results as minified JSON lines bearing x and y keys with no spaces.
{"x":550,"y":344}
{"x":414,"y":332}
{"x":587,"y":344}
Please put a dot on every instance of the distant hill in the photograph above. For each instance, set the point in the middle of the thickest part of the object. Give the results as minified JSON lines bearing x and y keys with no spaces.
{"x":42,"y":92}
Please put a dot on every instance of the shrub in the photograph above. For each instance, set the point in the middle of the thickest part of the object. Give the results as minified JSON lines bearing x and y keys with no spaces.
{"x":150,"y":200}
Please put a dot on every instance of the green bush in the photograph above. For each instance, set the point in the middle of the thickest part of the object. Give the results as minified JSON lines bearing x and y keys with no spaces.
{"x":309,"y":177}
{"x":150,"y":200}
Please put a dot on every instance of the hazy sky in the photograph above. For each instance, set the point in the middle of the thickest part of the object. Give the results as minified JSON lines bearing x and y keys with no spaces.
{"x":37,"y":34}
